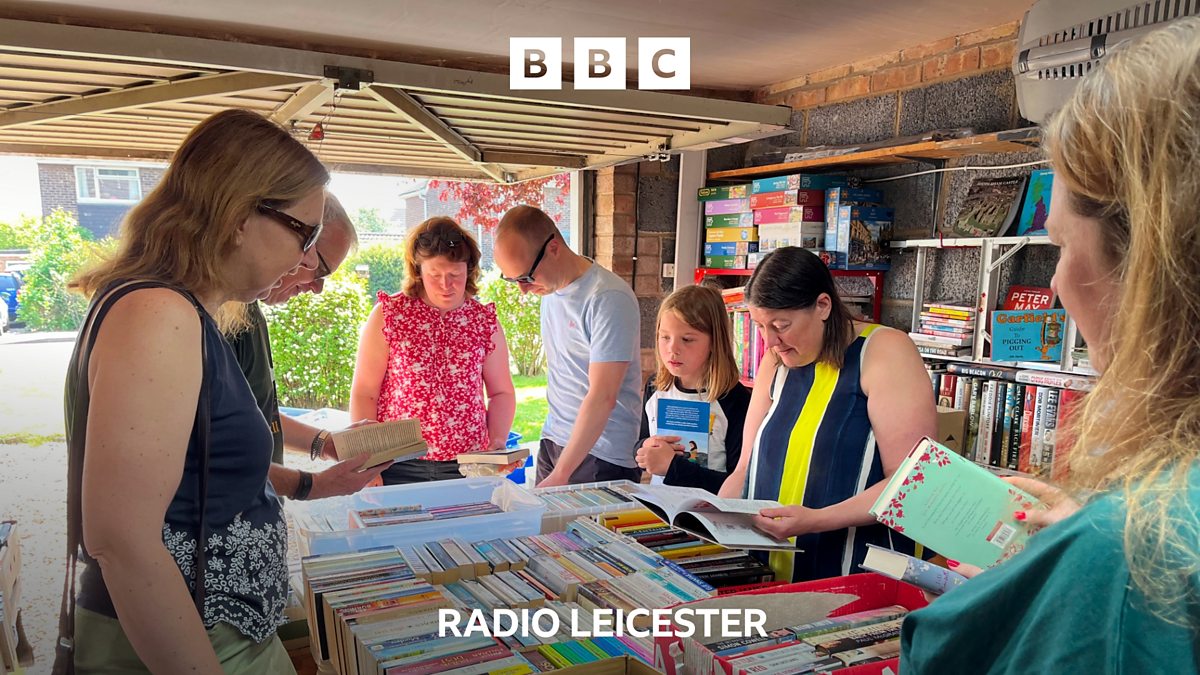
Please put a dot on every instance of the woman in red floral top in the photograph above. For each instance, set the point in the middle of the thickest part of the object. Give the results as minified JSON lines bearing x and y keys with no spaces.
{"x":432,"y":352}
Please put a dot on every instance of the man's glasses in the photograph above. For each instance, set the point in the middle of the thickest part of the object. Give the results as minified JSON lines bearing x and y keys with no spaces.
{"x":323,"y":269}
{"x":308,"y":233}
{"x":527,"y":278}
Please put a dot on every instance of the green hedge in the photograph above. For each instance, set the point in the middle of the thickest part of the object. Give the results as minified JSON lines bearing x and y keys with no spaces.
{"x":59,"y":248}
{"x":385,"y":264}
{"x":314,"y":341}
{"x":521,"y":317}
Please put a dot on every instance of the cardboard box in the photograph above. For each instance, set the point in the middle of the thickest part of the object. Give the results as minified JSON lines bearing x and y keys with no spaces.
{"x":791,"y":214}
{"x":725,"y":262}
{"x":797,"y":181}
{"x":620,"y":665}
{"x":777,"y":235}
{"x":706,"y":194}
{"x":863,"y":233}
{"x":723,"y":206}
{"x":745,"y":219}
{"x":836,"y":198}
{"x":721,"y":234}
{"x":764,"y":200}
{"x":952,"y":428}
{"x":730,"y":247}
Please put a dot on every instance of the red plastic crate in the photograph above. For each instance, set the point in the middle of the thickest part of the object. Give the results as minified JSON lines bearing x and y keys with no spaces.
{"x":873,"y":591}
{"x":746,"y":588}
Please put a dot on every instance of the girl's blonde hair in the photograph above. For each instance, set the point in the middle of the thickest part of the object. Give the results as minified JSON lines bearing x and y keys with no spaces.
{"x":703,"y":309}
{"x":182,"y":231}
{"x":440,"y":236}
{"x":1127,"y":146}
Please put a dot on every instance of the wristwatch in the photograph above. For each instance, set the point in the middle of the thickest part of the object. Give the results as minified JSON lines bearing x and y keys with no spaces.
{"x":318,"y":444}
{"x":303,"y":487}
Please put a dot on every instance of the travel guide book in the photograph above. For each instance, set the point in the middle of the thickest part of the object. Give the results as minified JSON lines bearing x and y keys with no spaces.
{"x":954,"y":506}
{"x":727,"y":522}
{"x":690,"y":421}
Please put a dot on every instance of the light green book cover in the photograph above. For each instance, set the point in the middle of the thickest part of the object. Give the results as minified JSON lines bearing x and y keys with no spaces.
{"x":954,"y":506}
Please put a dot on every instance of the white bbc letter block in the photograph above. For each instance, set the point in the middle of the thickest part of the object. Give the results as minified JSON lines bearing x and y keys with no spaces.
{"x":664,"y":63}
{"x":599,"y":63}
{"x":534,"y":63}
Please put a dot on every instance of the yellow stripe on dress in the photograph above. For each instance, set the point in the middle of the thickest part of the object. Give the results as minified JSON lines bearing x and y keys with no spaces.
{"x":799,"y":452}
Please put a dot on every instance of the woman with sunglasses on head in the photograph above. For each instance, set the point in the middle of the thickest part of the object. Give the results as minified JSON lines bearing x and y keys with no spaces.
{"x":168,"y":450}
{"x":433,"y":352}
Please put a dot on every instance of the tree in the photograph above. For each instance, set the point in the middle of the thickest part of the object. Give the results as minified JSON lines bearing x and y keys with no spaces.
{"x":484,"y":203}
{"x":370,"y":220}
{"x":60,"y":248}
{"x":520,"y":315}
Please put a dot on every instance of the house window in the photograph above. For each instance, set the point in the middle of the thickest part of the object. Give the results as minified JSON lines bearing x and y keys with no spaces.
{"x":98,"y":184}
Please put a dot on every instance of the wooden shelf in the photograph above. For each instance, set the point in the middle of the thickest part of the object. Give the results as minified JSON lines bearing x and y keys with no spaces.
{"x":1017,"y":140}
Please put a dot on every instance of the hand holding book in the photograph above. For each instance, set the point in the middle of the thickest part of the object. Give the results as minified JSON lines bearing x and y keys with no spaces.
{"x":787,"y":521}
{"x":657,"y":453}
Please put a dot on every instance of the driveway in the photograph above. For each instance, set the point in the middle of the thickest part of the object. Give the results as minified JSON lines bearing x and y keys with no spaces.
{"x":33,"y":474}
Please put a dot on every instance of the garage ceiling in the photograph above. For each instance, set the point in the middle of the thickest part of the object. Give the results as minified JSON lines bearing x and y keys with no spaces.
{"x":83,"y":91}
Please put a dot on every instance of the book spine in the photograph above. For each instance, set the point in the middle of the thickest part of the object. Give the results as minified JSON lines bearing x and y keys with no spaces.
{"x":996,"y":453}
{"x":987,"y":402}
{"x":1039,"y":430}
{"x":973,"y":370}
{"x":1013,"y":450}
{"x":1024,"y":459}
{"x":973,"y":418}
{"x":961,"y":395}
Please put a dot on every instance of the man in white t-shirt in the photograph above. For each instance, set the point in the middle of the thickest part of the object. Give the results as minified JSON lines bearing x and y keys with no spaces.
{"x":591,"y":327}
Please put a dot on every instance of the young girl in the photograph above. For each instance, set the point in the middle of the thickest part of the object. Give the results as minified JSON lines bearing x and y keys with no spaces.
{"x":695,"y":363}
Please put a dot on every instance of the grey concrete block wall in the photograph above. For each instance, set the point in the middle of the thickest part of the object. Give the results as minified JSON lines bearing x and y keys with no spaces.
{"x":984,"y":102}
{"x":864,"y":120}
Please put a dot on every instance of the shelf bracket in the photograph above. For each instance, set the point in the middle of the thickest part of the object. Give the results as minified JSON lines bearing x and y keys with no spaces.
{"x":1008,"y":254}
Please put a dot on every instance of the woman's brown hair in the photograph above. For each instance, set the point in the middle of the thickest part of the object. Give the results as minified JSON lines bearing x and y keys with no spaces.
{"x":439,"y":236}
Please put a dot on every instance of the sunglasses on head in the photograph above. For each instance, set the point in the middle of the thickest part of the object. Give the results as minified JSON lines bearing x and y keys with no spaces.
{"x":308,"y":233}
{"x":432,"y":241}
{"x":527,"y":278}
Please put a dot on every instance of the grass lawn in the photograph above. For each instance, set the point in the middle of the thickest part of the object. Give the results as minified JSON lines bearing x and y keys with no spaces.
{"x":531,"y":407}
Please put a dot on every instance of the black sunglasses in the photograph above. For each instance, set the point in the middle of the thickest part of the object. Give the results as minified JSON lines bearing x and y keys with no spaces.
{"x":430,"y":241}
{"x":323,"y":269}
{"x":527,"y":278}
{"x":308,"y":233}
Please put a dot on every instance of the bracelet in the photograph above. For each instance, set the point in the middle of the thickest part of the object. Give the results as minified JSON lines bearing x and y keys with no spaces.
{"x":303,"y":487}
{"x":318,"y":444}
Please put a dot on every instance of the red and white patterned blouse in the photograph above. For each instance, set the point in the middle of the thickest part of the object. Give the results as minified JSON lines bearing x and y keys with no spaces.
{"x":435,"y":371}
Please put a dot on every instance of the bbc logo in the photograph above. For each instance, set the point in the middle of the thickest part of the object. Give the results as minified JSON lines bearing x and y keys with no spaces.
{"x":536,"y":63}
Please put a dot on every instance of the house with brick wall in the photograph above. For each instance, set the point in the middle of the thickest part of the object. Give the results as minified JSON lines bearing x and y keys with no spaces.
{"x":97,"y":193}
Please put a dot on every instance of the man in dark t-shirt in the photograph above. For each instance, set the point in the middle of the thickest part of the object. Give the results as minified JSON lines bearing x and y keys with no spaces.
{"x":252,"y":345}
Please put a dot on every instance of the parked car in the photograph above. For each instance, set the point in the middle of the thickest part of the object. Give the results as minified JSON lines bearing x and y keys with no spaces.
{"x":10,"y":287}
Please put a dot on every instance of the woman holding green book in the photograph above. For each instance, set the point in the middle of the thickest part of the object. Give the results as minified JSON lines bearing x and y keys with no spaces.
{"x":1113,"y":586}
{"x":837,"y":405}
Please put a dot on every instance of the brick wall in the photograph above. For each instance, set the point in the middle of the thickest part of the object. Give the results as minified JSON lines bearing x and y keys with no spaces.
{"x":57,"y":182}
{"x":939,"y":61}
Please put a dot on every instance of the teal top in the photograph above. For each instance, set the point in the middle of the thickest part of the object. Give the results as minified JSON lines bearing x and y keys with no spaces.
{"x":1066,"y":604}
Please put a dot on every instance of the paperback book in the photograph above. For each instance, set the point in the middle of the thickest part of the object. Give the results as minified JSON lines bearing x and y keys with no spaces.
{"x":728,"y":522}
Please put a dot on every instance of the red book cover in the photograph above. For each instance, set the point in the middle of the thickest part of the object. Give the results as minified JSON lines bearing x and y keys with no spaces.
{"x":1028,"y":297}
{"x":1027,"y":429}
{"x":1069,"y":401}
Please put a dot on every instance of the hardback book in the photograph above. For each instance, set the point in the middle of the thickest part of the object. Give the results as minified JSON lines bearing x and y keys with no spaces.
{"x":398,"y":440}
{"x":953,"y":506}
{"x":990,"y":208}
{"x":690,"y":421}
{"x":493,"y":456}
{"x":903,"y":567}
{"x":728,"y":522}
{"x":1037,"y":203}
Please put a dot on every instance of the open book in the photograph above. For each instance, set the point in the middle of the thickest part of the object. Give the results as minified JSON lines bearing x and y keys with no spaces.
{"x":398,"y":440}
{"x":727,"y":522}
{"x":954,"y":506}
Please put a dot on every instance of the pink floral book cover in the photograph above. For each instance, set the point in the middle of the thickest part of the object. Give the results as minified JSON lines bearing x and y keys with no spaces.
{"x":954,"y":506}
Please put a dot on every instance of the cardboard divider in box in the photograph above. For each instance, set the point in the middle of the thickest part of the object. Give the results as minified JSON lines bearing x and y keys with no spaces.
{"x":328,"y":526}
{"x":565,"y":503}
{"x":679,"y":656}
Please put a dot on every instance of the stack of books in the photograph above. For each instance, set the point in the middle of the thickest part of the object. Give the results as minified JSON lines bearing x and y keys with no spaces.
{"x":749,"y":346}
{"x":565,"y":503}
{"x":729,"y":231}
{"x":716,"y":565}
{"x":945,"y":330}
